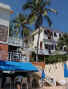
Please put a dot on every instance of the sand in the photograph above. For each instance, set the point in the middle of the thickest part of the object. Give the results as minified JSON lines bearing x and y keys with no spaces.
{"x":57,"y":87}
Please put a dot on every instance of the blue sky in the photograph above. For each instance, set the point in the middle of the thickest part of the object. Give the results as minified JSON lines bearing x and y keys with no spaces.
{"x":60,"y":22}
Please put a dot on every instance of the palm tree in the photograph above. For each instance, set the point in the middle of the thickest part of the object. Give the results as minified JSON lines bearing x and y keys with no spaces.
{"x":38,"y":11}
{"x":21,"y":22}
{"x":13,"y":29}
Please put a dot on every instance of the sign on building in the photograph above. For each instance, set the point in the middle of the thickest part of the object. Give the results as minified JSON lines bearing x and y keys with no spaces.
{"x":3,"y":51}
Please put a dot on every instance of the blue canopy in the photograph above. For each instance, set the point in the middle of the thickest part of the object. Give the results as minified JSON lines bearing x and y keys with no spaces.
{"x":17,"y":66}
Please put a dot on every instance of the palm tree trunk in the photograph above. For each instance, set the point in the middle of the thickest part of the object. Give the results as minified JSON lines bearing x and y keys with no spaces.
{"x":23,"y":40}
{"x":38,"y":45}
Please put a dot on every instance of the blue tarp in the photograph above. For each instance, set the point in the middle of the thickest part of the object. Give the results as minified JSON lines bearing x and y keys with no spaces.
{"x":65,"y":71}
{"x":17,"y":66}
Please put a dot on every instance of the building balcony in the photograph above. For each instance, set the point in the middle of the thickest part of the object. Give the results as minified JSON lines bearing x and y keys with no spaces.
{"x":15,"y":42}
{"x":17,"y":56}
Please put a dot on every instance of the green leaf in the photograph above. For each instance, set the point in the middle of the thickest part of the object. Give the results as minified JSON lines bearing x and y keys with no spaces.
{"x":31,"y":18}
{"x":17,"y":25}
{"x":38,"y":21}
{"x":26,"y":31}
{"x":27,"y":5}
{"x":52,"y":10}
{"x":48,"y":19}
{"x":45,"y":13}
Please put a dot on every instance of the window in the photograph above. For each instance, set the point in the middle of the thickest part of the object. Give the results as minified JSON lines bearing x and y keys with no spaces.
{"x":49,"y":37}
{"x":61,"y":48}
{"x":65,"y":49}
{"x":51,"y":33}
{"x":49,"y":51}
{"x":33,"y":38}
{"x":49,"y":47}
{"x":41,"y":45}
{"x":46,"y":46}
{"x":59,"y":35}
{"x":45,"y":32}
{"x":3,"y":33}
{"x":55,"y":47}
{"x":52,"y":47}
{"x":55,"y":34}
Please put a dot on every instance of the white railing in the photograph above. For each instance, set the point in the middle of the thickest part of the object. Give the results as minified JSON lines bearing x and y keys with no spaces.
{"x":15,"y":41}
{"x":17,"y":56}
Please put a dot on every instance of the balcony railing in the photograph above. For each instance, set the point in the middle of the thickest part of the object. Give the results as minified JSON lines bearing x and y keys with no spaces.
{"x":16,"y":56}
{"x":15,"y":41}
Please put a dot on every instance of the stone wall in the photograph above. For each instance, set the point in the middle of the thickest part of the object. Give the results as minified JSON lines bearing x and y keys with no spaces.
{"x":55,"y":71}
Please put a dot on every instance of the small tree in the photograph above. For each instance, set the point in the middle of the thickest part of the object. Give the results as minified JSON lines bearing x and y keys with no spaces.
{"x":63,"y":41}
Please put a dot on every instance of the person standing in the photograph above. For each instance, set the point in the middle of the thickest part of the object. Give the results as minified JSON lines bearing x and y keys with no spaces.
{"x":42,"y":76}
{"x":3,"y":82}
{"x":18,"y":81}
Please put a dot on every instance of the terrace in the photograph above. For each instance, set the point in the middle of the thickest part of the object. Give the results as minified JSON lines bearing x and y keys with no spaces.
{"x":15,"y":42}
{"x":17,"y":56}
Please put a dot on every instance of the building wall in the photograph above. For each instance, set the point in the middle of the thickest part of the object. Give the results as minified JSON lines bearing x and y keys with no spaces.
{"x":40,"y":40}
{"x":55,"y":71}
{"x":56,"y":37}
{"x":44,"y":39}
{"x":4,"y":24}
{"x":3,"y":51}
{"x":4,"y":29}
{"x":4,"y":17}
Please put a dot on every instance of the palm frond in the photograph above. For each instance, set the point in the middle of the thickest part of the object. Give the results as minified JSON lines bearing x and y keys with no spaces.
{"x":21,"y":17}
{"x":26,"y":31}
{"x":45,"y":12}
{"x":51,"y":10}
{"x":38,"y":21}
{"x":31,"y":18}
{"x":27,"y":5}
{"x":48,"y":19}
{"x":44,"y":3}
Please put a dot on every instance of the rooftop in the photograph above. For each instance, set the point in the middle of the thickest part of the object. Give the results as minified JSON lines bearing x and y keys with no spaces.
{"x":46,"y":28}
{"x":5,"y":6}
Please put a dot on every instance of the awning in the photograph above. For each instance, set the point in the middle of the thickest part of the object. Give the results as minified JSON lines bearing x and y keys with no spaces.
{"x":17,"y":66}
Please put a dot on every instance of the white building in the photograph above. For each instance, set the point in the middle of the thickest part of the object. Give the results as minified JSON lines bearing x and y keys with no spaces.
{"x":47,"y":41}
{"x":8,"y":45}
{"x":5,"y":12}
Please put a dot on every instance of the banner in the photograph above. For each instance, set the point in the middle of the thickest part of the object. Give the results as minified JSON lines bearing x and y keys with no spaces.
{"x":65,"y":70}
{"x":3,"y":51}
